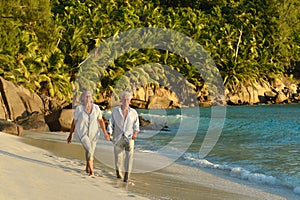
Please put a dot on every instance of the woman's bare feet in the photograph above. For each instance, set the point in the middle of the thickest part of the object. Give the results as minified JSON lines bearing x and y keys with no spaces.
{"x":90,"y":167}
{"x":91,"y":173}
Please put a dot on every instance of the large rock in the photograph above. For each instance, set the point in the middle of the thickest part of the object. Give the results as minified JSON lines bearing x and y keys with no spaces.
{"x":251,"y":94}
{"x":278,"y":84}
{"x":137,"y":103}
{"x":52,"y":120}
{"x":281,"y":98}
{"x":279,"y":90}
{"x":17,"y":102}
{"x":157,"y":102}
{"x":154,"y":98}
{"x":3,"y":111}
{"x":60,"y":120}
{"x":10,"y":127}
{"x":65,"y":119}
{"x":34,"y":121}
{"x":270,"y":96}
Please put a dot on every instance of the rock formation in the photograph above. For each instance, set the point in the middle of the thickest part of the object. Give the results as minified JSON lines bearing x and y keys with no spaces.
{"x":21,"y":109}
{"x":16,"y":101}
{"x":272,"y":92}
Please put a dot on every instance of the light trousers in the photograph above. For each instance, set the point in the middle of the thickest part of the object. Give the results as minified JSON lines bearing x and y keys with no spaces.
{"x":123,"y":150}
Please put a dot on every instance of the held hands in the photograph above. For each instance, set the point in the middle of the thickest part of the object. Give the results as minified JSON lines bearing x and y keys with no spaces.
{"x":107,"y":136}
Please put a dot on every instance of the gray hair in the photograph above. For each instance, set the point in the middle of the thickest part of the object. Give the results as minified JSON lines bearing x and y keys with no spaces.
{"x":126,"y":94}
{"x":83,"y":95}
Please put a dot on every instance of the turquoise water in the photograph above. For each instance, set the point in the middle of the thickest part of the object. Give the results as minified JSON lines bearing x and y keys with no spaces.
{"x":258,"y":143}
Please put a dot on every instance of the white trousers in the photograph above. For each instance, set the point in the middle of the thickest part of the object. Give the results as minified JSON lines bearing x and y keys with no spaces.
{"x":124,"y":155}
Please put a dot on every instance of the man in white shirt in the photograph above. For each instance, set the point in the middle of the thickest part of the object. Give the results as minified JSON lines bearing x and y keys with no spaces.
{"x":124,"y":127}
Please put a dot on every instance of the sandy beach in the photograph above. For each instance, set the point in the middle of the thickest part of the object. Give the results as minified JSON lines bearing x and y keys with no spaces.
{"x":41,"y":169}
{"x":28,"y":172}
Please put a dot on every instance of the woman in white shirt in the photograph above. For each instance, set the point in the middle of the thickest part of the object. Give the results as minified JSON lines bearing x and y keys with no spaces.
{"x":86,"y":121}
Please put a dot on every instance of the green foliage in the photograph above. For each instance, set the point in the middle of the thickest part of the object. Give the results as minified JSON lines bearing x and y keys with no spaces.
{"x":45,"y":44}
{"x":28,"y":51}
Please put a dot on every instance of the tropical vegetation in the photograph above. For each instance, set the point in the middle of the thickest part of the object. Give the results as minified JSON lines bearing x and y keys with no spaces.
{"x":44,"y":45}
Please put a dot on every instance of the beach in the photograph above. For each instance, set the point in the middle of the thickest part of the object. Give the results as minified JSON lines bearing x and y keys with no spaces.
{"x":28,"y":172}
{"x":45,"y":169}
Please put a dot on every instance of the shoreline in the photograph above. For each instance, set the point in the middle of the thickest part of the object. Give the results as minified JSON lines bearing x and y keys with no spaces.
{"x":167,"y":183}
{"x":145,"y":185}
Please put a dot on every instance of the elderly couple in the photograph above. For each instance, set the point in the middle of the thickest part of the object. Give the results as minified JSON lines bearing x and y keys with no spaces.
{"x":123,"y":126}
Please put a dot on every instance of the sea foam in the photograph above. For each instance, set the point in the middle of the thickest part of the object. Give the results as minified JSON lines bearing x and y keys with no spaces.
{"x":253,"y":177}
{"x":237,"y":172}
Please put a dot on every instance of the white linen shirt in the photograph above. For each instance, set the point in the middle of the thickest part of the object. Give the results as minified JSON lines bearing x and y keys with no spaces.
{"x":87,"y":124}
{"x":118,"y":127}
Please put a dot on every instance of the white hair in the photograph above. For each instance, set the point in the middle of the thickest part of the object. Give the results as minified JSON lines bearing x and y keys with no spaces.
{"x":83,"y":95}
{"x":126,"y":94}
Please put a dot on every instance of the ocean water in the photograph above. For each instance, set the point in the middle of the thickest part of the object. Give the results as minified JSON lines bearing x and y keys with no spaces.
{"x":260,"y":144}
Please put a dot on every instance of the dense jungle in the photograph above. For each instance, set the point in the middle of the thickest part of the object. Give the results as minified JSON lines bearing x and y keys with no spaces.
{"x":44,"y":43}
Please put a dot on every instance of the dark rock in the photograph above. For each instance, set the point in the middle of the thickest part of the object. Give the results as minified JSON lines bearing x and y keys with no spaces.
{"x":144,"y":122}
{"x":52,"y":120}
{"x":10,"y":127}
{"x":60,"y":120}
{"x":33,"y":121}
{"x":148,"y":125}
{"x":270,"y":96}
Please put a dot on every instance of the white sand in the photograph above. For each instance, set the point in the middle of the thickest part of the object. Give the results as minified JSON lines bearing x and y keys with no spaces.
{"x":27,"y":172}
